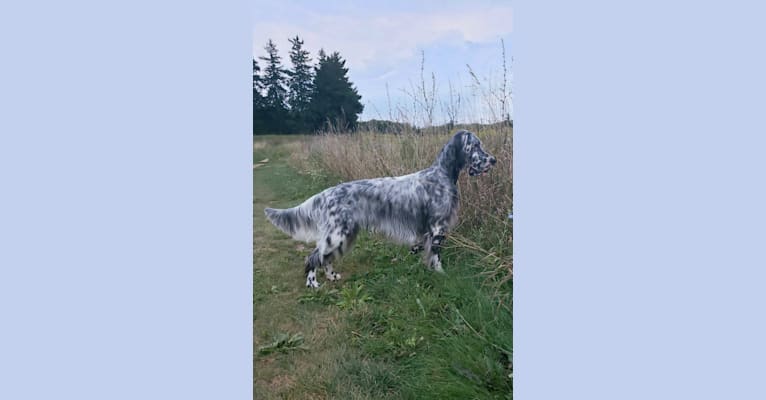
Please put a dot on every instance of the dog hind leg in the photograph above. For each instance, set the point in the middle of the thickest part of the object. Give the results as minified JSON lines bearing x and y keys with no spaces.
{"x":331,"y":248}
{"x":313,"y":261}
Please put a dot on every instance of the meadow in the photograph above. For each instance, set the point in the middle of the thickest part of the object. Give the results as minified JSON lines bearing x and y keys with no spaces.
{"x":390,"y":329}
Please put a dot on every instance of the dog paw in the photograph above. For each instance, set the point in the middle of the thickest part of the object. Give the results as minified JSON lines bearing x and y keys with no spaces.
{"x":311,"y":282}
{"x":416,"y":249}
{"x":333,"y":276}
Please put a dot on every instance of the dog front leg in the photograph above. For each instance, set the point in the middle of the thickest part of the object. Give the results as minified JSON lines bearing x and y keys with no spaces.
{"x":434,"y":247}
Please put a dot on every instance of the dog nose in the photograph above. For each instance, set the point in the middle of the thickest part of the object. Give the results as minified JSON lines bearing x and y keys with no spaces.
{"x":492,"y":160}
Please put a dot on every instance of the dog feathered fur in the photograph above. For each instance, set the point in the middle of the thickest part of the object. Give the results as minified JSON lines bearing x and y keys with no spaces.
{"x":416,"y":209}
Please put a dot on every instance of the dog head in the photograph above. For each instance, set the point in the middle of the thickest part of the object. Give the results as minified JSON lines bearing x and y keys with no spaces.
{"x":477,"y":159}
{"x":464,"y":150}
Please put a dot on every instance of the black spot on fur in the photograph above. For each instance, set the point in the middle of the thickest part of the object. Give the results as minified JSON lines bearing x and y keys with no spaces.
{"x":289,"y":220}
{"x":436,"y":244}
{"x":329,"y":242}
{"x":385,"y":211}
{"x":313,"y":261}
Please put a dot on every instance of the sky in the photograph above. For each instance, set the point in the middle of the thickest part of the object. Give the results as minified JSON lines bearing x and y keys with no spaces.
{"x":384,"y":44}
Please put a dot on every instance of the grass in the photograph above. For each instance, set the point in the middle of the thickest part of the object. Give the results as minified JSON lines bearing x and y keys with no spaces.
{"x":278,"y":285}
{"x":485,"y":202}
{"x":390,"y":329}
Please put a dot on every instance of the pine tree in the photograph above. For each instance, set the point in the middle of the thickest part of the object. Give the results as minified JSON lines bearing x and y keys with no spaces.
{"x":259,"y":126}
{"x":300,"y":84}
{"x":276,"y":94}
{"x":334,"y":100}
{"x":257,"y":83}
{"x":274,"y":77}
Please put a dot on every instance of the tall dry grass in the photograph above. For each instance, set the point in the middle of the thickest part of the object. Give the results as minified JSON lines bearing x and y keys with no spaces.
{"x":410,"y":142}
{"x":485,"y":201}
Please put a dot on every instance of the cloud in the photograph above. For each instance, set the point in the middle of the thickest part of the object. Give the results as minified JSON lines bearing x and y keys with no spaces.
{"x":381,"y":40}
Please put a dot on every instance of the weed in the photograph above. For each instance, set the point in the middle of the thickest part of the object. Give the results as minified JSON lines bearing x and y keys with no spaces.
{"x":283,"y":343}
{"x":353,"y":297}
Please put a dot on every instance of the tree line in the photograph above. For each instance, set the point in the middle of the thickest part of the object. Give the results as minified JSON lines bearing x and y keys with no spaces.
{"x":305,"y":98}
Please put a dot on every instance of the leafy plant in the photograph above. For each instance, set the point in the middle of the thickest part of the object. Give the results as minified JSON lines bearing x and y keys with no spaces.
{"x":283,"y":343}
{"x":352,"y":297}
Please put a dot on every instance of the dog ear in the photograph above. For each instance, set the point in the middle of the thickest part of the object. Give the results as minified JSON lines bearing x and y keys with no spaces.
{"x":456,"y":153}
{"x":456,"y":140}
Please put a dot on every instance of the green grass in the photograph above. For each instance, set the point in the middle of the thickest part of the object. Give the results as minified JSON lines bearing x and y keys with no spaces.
{"x":389,"y":329}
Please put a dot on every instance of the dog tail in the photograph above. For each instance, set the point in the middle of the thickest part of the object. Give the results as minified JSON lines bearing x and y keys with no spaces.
{"x":294,"y":222}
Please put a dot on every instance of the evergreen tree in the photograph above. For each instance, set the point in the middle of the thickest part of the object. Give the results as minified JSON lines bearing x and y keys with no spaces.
{"x":334,"y":99}
{"x":300,"y":84}
{"x":258,"y":101}
{"x":273,"y":82}
{"x":274,"y":77}
{"x":257,"y":83}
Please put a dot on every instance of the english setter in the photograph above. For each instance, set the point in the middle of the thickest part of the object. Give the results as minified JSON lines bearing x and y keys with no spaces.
{"x":416,"y":209}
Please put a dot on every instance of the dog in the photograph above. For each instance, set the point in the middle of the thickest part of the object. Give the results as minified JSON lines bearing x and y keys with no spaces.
{"x":416,"y":209}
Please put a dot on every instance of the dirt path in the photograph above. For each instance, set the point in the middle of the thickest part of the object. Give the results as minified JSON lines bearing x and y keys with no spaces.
{"x":296,"y":370}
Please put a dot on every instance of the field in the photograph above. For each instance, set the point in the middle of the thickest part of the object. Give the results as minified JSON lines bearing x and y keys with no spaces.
{"x":390,"y":329}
